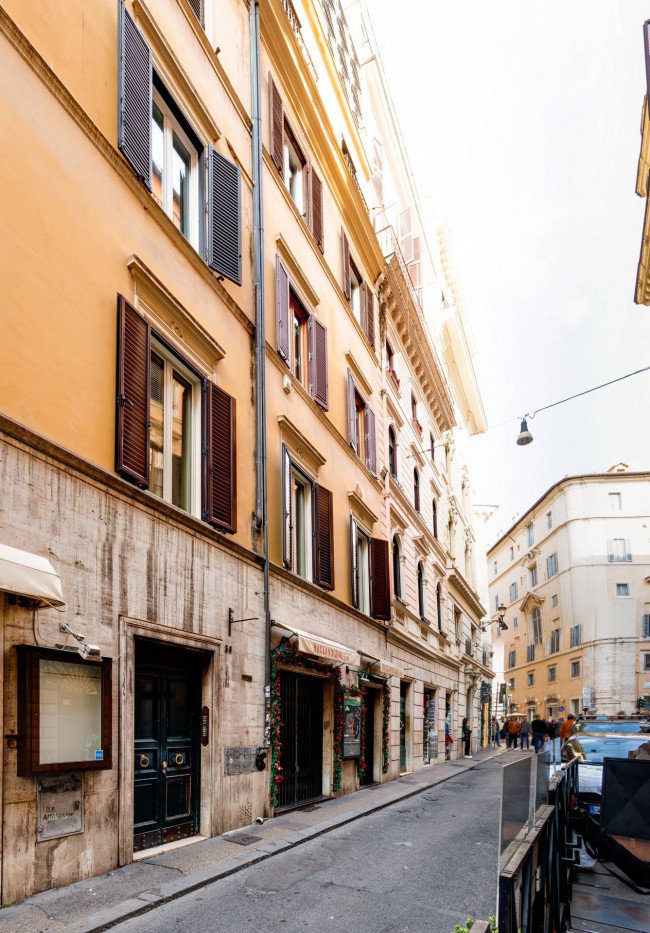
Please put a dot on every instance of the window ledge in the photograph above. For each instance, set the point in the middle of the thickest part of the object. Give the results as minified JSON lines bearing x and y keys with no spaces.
{"x":303,"y":448}
{"x":295,"y":270}
{"x":359,"y":377}
{"x":360,"y":510}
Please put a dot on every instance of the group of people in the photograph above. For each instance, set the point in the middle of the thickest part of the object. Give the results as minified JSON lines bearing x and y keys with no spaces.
{"x":517,"y":732}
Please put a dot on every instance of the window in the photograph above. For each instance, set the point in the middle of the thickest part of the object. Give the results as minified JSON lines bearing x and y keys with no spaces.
{"x":358,"y":293}
{"x":530,"y":653}
{"x":615,"y":503}
{"x":512,"y":553}
{"x":575,"y":636}
{"x":432,"y":448}
{"x":416,"y":490}
{"x":549,"y":520}
{"x":515,"y":622}
{"x":392,"y":452}
{"x":513,"y":592}
{"x":645,"y":626}
{"x":619,"y":550}
{"x":369,"y":573}
{"x":622,"y":589}
{"x":390,"y":360}
{"x":530,"y":531}
{"x":299,"y":319}
{"x":414,"y":408}
{"x":554,"y":645}
{"x":307,"y":529}
{"x":512,"y":657}
{"x":457,"y":624}
{"x":301,"y":338}
{"x":64,"y":712}
{"x":161,"y":405}
{"x":174,"y":165}
{"x":531,"y":678}
{"x":536,"y":626}
{"x":645,"y":660}
{"x":551,"y":566}
{"x":355,"y":291}
{"x":511,"y":684}
{"x":439,"y":606}
{"x":361,"y":426}
{"x":532,"y":575}
{"x":496,"y":602}
{"x":554,"y":601}
{"x":422,"y":608}
{"x":362,"y":563}
{"x":575,"y":706}
{"x":552,"y":675}
{"x":397,"y":574}
{"x":495,"y":568}
{"x":294,"y":169}
{"x":575,"y":668}
{"x":434,"y":506}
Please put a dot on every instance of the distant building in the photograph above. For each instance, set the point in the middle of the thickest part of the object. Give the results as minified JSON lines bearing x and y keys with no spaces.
{"x":573,"y":574}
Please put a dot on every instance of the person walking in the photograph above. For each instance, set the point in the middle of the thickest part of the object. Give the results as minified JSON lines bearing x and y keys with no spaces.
{"x":566,"y":728}
{"x":513,"y":732}
{"x":496,"y":732}
{"x":524,"y":732}
{"x":467,"y":734}
{"x":539,"y":729}
{"x":503,"y":732}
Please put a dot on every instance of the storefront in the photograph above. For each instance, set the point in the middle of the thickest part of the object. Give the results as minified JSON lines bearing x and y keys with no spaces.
{"x":429,"y":728}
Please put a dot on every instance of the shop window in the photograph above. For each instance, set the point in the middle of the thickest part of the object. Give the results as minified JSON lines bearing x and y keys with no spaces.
{"x":64,"y":712}
{"x":351,"y":726}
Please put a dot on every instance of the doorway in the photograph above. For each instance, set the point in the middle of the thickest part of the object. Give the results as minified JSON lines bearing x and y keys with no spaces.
{"x":368,"y":777}
{"x":429,"y":731}
{"x":167,"y":704}
{"x":301,"y":737}
{"x":403,"y":693}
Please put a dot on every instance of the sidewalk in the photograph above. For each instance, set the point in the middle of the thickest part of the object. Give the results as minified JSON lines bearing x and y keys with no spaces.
{"x":102,"y":902}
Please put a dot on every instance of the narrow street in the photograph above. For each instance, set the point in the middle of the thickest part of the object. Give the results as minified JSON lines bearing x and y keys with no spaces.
{"x":419,"y":866}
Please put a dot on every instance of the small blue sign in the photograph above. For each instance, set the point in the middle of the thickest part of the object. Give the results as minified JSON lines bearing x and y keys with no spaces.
{"x":99,"y":754}
{"x":560,"y":709}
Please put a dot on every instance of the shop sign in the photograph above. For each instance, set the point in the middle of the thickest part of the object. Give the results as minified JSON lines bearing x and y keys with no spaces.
{"x":331,"y":652}
{"x":239,"y":759}
{"x":351,"y":727}
{"x":390,"y":670}
{"x":60,"y":810}
{"x":587,"y":697}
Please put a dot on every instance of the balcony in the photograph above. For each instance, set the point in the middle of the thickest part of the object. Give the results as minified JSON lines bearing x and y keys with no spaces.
{"x":296,"y":29}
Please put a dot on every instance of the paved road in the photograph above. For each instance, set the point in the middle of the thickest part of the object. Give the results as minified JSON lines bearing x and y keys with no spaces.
{"x":419,"y":866}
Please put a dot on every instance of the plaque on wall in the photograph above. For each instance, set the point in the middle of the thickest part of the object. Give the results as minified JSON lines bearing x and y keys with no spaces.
{"x":60,"y":806}
{"x":238,"y":759}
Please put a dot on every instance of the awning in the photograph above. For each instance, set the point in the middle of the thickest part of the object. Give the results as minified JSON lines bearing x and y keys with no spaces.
{"x":30,"y":575}
{"x":386,"y":668}
{"x":318,"y":646}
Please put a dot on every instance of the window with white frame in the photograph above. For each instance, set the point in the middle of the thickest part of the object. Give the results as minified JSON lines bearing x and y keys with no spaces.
{"x":175,"y":166}
{"x":615,"y":502}
{"x":301,"y":528}
{"x":549,"y":520}
{"x":619,"y":550}
{"x":513,"y":592}
{"x":576,"y":636}
{"x":551,"y":566}
{"x":530,"y":532}
{"x":294,"y":169}
{"x":362,"y":569}
{"x":531,"y":678}
{"x":175,"y":430}
{"x":622,"y":589}
{"x":554,"y":601}
{"x":576,"y":668}
{"x":552,"y":675}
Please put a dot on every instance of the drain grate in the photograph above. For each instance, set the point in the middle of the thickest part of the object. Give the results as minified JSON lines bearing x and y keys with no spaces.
{"x":244,"y":839}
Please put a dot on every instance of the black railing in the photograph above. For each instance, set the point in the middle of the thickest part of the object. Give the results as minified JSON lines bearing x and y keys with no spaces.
{"x":535,"y":885}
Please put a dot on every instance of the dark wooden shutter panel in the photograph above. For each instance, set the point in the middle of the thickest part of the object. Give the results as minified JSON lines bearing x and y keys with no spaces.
{"x":363,"y":309}
{"x":224,"y":186}
{"x":276,"y":111}
{"x":371,"y":441}
{"x":197,"y":7}
{"x":318,"y":375}
{"x":135,"y":93}
{"x":370,"y":315}
{"x":345,"y":252}
{"x":324,"y":573}
{"x":379,"y":580}
{"x":282,"y":305}
{"x":352,"y":411}
{"x":132,"y":416}
{"x":316,"y":209}
{"x":287,"y":518}
{"x":353,"y":563}
{"x":222,"y":460}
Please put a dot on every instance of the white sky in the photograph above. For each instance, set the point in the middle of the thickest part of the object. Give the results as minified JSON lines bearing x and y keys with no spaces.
{"x":522,"y":122}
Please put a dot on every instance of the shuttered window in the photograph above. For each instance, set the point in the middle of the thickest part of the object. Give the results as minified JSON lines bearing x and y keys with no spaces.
{"x":380,"y":579}
{"x":283,"y":330}
{"x":224,"y":247}
{"x":133,"y":360}
{"x":345,"y":259}
{"x":276,"y":111}
{"x":221,"y":460}
{"x":318,"y":372}
{"x":316,"y":209}
{"x":307,"y":525}
{"x":357,"y":292}
{"x":361,"y":426}
{"x":301,"y":338}
{"x":134,"y":96}
{"x":324,"y":520}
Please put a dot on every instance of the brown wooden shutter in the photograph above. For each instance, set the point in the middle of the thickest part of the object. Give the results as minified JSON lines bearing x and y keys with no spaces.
{"x":135,"y":95}
{"x":345,"y":252}
{"x":352,"y":413}
{"x":371,"y":440}
{"x":222,"y":460}
{"x":353,"y":563}
{"x":224,"y":216}
{"x":363,"y":309}
{"x":287,"y":518}
{"x":316,"y":209}
{"x":318,"y":375}
{"x":379,"y":580}
{"x":132,"y":416}
{"x":276,"y":111}
{"x":324,"y":525}
{"x":282,"y":317}
{"x":370,"y":315}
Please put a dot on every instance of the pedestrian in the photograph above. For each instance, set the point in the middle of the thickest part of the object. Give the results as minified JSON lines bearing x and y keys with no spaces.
{"x":503,"y":732}
{"x":539,"y":729}
{"x":496,"y":733}
{"x":467,"y":734}
{"x":567,"y":728}
{"x":513,"y":732}
{"x":524,"y":732}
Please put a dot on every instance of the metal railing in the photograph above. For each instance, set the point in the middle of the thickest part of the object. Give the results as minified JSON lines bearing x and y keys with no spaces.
{"x":296,"y":28}
{"x":355,"y":178}
{"x":535,"y":885}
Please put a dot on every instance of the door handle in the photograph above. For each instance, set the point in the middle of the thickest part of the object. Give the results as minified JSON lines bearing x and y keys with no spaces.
{"x":163,"y":767}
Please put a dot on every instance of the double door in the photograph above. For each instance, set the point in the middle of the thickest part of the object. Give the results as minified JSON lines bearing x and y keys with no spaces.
{"x":302,"y":738}
{"x":166,"y":765}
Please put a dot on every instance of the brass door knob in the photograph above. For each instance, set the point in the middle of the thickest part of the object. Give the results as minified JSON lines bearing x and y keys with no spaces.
{"x":144,"y":761}
{"x":178,"y":759}
{"x":163,"y":767}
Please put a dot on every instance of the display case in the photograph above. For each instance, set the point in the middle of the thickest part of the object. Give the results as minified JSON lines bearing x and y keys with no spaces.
{"x":64,"y":712}
{"x":352,"y":711}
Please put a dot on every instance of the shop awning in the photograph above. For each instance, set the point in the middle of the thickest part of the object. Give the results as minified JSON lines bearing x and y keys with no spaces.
{"x":318,"y":646}
{"x":30,"y":575}
{"x":386,"y":668}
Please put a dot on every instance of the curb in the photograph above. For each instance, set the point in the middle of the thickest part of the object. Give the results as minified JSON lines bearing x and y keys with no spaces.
{"x":148,"y":901}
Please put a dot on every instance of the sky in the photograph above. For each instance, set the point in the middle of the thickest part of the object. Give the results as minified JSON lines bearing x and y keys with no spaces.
{"x":521,"y":122}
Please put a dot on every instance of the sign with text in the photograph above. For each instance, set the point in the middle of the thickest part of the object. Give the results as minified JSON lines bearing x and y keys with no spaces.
{"x":60,"y":809}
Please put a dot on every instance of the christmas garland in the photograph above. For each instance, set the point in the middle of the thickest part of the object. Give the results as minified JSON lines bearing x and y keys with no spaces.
{"x":385,"y":732}
{"x":361,"y":691}
{"x":285,"y":653}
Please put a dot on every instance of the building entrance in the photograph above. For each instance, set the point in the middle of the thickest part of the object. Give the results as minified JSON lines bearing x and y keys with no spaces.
{"x":369,"y":737}
{"x":403,"y":691}
{"x":301,"y":736}
{"x":429,"y":730}
{"x":166,"y":747}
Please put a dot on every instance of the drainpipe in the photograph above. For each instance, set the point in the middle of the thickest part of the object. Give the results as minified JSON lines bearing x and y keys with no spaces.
{"x":261,"y":481}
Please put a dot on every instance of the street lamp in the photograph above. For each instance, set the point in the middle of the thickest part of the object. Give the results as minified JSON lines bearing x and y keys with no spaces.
{"x":525,"y":437}
{"x":500,"y":619}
